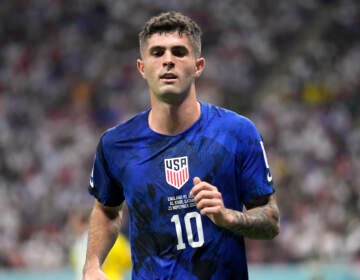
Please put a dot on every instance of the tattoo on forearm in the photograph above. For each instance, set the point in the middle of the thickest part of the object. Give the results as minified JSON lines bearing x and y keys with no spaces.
{"x":258,"y":223}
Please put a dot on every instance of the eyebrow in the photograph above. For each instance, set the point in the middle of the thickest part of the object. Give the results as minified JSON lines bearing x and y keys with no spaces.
{"x":156,"y":48}
{"x":179,"y":47}
{"x":176,"y":47}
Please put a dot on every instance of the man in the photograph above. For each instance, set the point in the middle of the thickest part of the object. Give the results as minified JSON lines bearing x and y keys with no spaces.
{"x":186,"y":169}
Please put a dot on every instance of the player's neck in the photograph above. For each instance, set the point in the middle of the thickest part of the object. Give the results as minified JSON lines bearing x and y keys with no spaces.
{"x":172,"y":119}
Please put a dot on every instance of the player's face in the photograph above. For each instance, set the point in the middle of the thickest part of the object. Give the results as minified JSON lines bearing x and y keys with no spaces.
{"x":169,"y":66}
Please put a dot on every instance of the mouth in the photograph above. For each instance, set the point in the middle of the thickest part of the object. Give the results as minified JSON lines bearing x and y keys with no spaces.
{"x":168,"y":77}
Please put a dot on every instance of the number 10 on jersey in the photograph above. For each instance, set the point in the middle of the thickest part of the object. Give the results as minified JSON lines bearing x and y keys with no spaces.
{"x":180,"y":225}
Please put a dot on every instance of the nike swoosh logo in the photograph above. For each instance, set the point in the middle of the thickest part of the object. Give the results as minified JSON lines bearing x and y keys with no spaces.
{"x":92,"y":178}
{"x":269,"y":177}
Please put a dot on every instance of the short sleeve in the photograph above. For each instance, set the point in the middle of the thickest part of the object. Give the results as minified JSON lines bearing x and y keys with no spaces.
{"x":253,"y":167}
{"x":103,"y":185}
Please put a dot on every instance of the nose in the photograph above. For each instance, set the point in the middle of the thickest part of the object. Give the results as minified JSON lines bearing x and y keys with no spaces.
{"x":168,"y":60}
{"x":169,"y":64}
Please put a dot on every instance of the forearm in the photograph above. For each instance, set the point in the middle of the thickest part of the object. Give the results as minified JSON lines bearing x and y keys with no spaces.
{"x":261,"y":222}
{"x":103,"y":231}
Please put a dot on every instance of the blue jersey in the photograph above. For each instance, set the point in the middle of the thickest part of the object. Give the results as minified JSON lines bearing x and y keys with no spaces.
{"x":154,"y":173}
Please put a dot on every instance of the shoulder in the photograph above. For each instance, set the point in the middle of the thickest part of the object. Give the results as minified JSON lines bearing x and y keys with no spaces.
{"x":229,"y":120}
{"x":125,"y":130}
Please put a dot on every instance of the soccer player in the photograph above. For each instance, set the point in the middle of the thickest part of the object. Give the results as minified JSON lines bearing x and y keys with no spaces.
{"x":194,"y":176}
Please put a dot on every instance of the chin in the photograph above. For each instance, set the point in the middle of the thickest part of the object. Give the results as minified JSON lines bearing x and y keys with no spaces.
{"x":173,"y":97}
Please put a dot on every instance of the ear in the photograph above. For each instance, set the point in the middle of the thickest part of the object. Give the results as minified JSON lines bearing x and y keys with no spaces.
{"x":140,"y":67}
{"x":200,"y":65}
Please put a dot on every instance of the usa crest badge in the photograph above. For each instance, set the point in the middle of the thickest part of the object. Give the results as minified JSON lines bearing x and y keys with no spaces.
{"x":177,"y":171}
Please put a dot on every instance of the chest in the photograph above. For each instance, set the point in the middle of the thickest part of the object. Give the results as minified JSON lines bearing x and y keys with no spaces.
{"x":164,"y":169}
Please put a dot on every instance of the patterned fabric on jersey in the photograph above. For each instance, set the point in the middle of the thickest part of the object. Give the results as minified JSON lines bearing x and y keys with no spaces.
{"x":169,"y":238}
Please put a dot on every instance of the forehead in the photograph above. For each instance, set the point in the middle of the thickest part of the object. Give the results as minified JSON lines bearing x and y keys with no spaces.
{"x":168,"y":40}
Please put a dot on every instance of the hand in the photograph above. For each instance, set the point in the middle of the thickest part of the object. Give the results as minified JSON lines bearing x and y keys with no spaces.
{"x":94,"y":274}
{"x":209,"y":201}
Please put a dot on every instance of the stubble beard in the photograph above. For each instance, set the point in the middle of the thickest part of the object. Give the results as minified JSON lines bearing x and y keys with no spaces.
{"x":173,"y":97}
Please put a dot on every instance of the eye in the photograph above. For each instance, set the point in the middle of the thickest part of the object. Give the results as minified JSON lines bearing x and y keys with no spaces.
{"x":179,"y":51}
{"x":157,"y":52}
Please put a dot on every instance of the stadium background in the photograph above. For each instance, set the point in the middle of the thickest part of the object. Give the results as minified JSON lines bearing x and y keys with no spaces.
{"x":67,"y":72}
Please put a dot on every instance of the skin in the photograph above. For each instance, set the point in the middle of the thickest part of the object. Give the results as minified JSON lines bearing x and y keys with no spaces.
{"x":174,"y":105}
{"x":103,"y":230}
{"x":170,"y":67}
{"x":260,"y":220}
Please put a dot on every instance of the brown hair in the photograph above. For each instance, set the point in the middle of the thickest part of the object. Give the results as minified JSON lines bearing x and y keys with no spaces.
{"x":170,"y":22}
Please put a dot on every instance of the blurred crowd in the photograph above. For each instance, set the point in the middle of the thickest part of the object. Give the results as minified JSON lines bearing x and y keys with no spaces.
{"x":68,"y":72}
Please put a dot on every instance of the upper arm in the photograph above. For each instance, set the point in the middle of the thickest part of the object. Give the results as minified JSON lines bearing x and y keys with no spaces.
{"x":110,"y":212}
{"x":253,"y":171}
{"x":104,"y":186}
{"x":261,"y":201}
